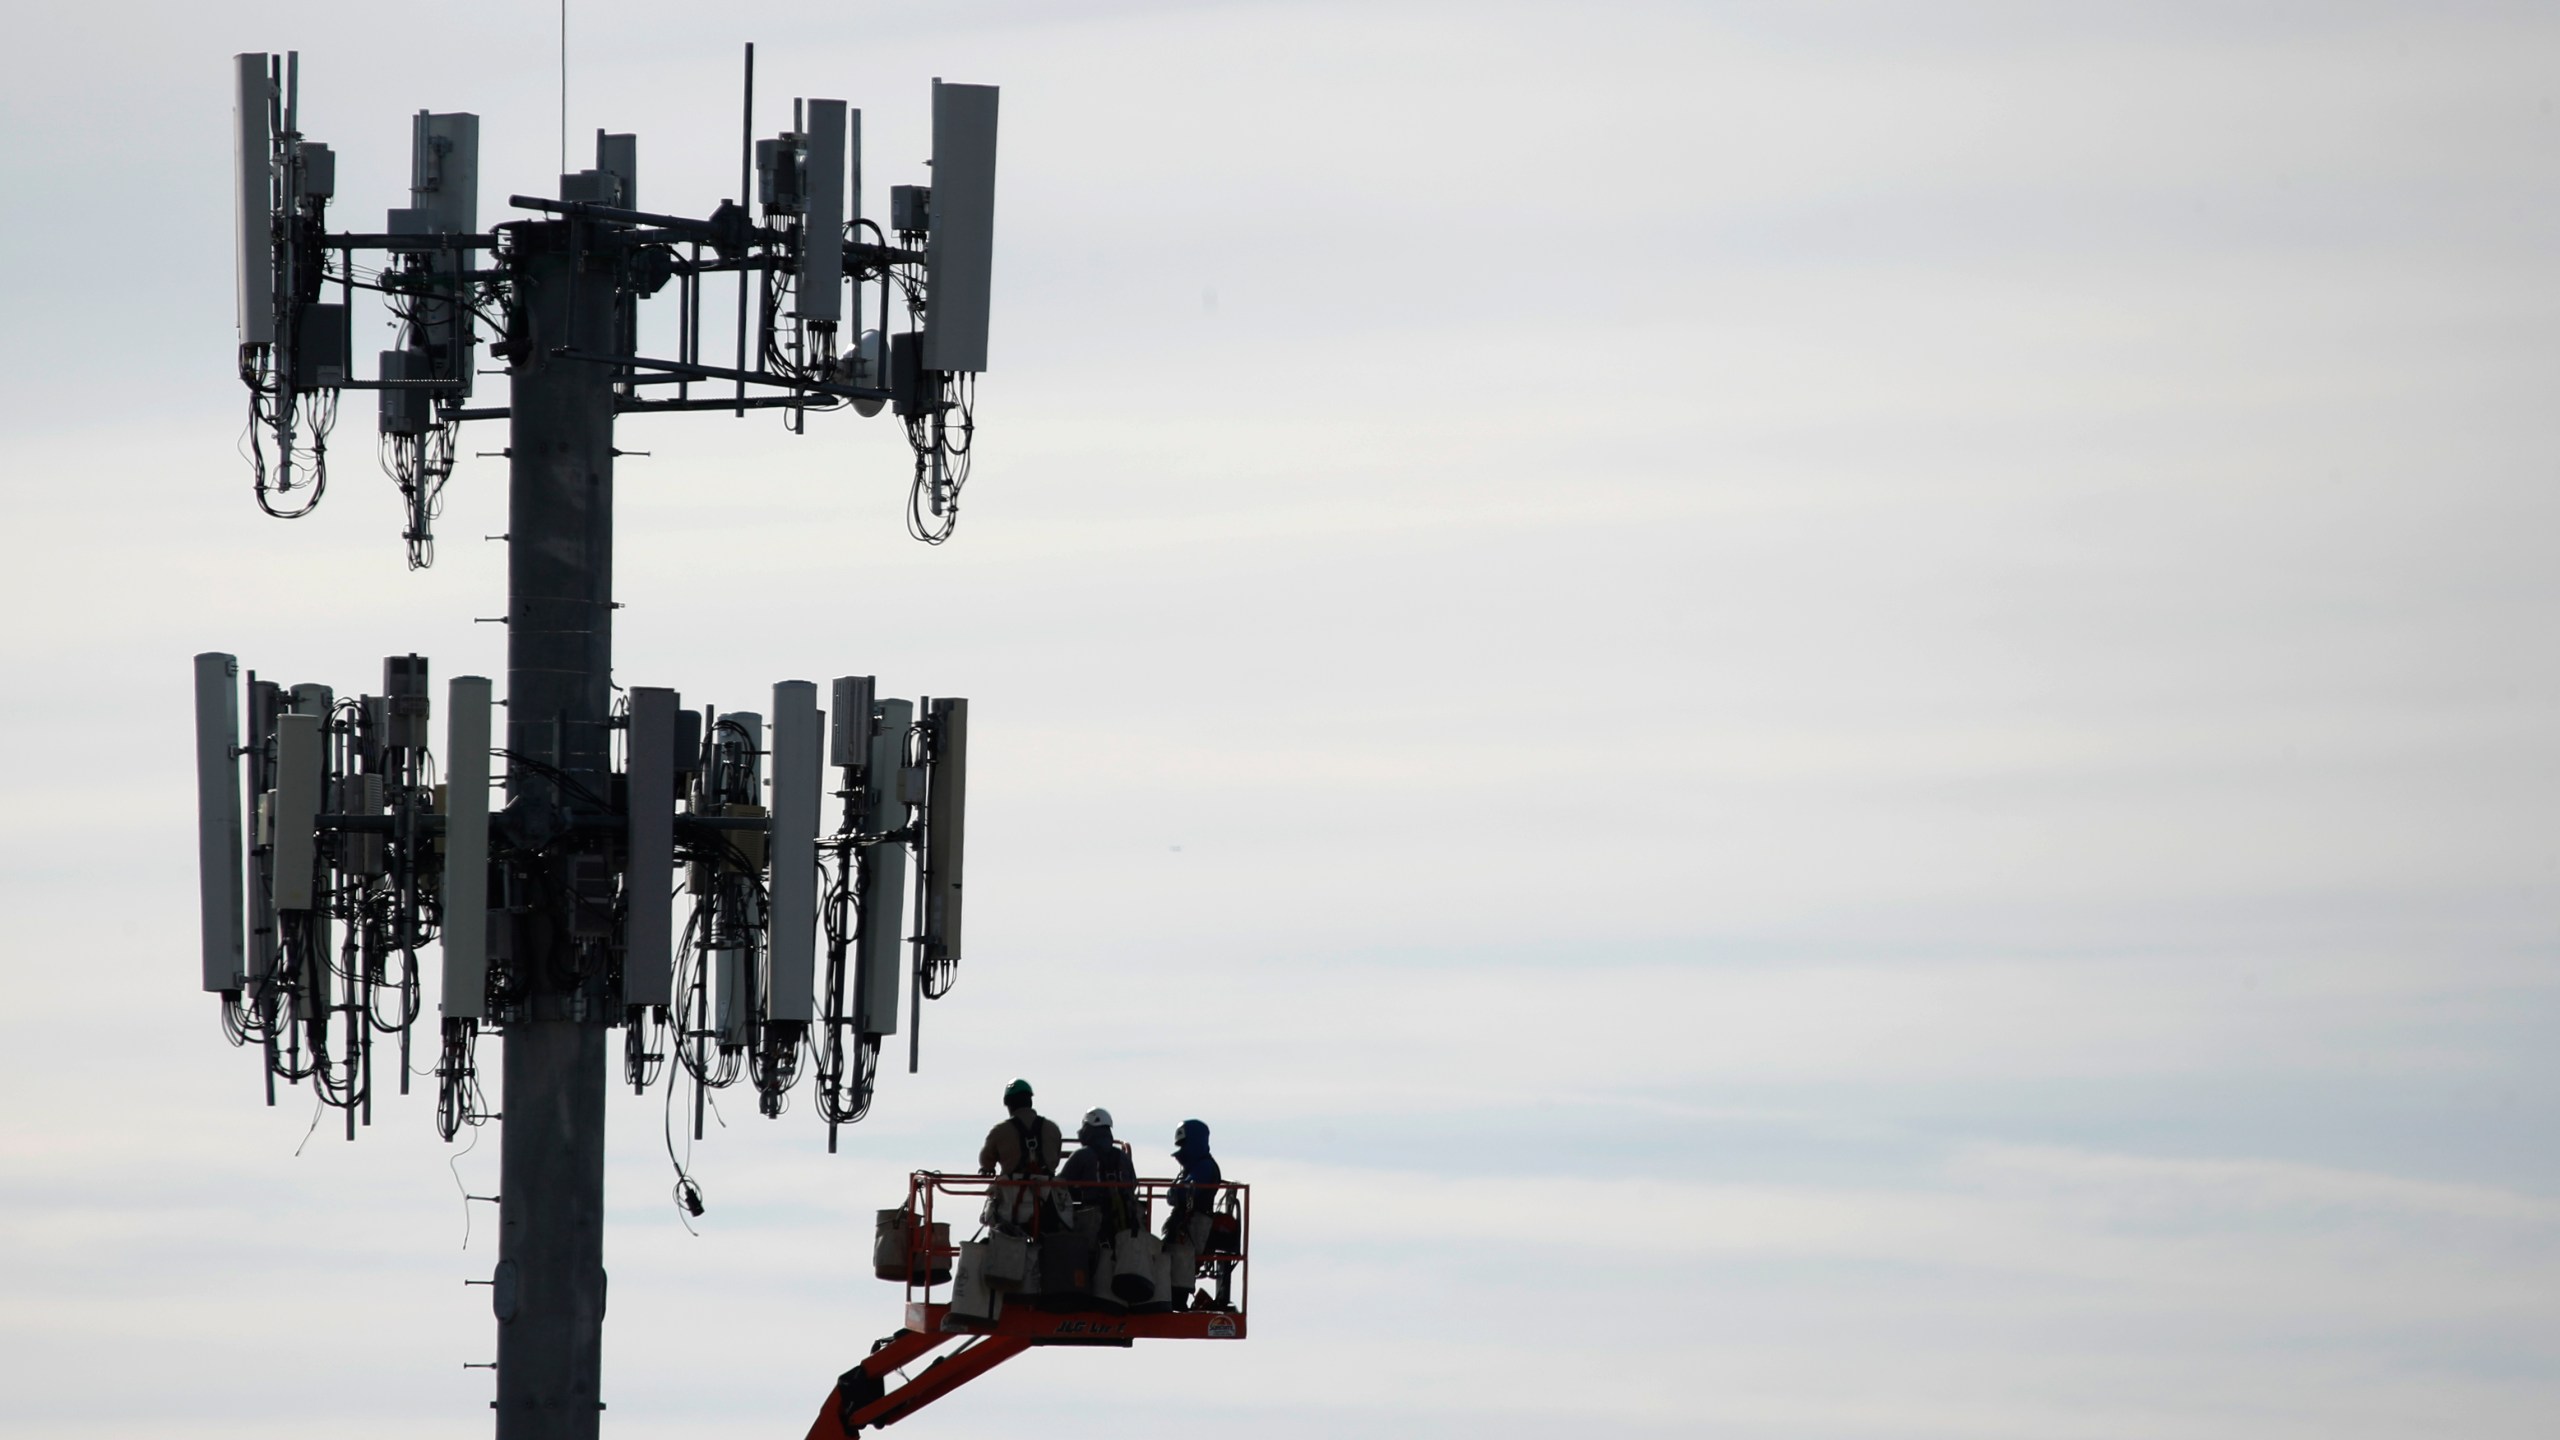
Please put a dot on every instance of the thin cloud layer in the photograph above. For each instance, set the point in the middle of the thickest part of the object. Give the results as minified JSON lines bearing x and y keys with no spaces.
{"x":1803,"y":723}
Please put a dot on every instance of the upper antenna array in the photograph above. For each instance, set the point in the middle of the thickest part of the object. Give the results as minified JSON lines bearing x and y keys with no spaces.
{"x":834,"y":309}
{"x":336,"y":846}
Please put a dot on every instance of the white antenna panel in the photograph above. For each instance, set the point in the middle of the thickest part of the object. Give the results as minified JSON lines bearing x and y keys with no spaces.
{"x":444,"y":172}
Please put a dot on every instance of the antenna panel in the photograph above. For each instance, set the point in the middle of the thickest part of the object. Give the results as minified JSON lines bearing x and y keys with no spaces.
{"x":293,"y":807}
{"x":218,"y":847}
{"x":853,"y":184}
{"x":253,"y":198}
{"x":619,"y":157}
{"x":265,"y":702}
{"x":737,"y":752}
{"x":792,"y":922}
{"x":405,"y":705}
{"x":849,"y":738}
{"x":466,"y":847}
{"x":945,"y":819}
{"x":648,"y":926}
{"x":688,"y":745}
{"x":878,"y":936}
{"x":960,"y":253}
{"x":821,"y":295}
{"x":444,"y":172}
{"x":737,"y":748}
{"x":444,"y":199}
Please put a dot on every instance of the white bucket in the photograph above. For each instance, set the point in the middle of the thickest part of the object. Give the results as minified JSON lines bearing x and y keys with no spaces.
{"x":972,"y":1301}
{"x":1137,"y":1263}
{"x":890,"y":1244}
{"x":1103,"y":1260}
{"x":1008,"y":1261}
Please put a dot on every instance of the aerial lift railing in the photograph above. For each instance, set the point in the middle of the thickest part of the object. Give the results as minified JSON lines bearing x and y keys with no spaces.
{"x":1222,"y":1259}
{"x":1028,"y":1317}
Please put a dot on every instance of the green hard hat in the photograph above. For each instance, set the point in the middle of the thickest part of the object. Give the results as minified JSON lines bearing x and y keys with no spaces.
{"x":1018,"y":1090}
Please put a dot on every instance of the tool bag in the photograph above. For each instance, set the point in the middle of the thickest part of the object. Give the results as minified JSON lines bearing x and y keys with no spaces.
{"x":892,"y":1242}
{"x":1106,"y":1263}
{"x":1065,"y":1263}
{"x":973,"y":1300}
{"x":895,"y":1256}
{"x":1226,"y":1236}
{"x":1136,"y":1257}
{"x":1008,"y":1261}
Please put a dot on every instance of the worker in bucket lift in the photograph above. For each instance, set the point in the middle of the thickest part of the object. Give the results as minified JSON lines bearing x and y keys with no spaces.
{"x":1106,"y":1171}
{"x":1022,"y":1146}
{"x":1195,"y":1194}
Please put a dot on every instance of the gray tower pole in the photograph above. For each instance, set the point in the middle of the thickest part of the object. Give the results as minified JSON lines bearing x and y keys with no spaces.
{"x":550,"y":1288}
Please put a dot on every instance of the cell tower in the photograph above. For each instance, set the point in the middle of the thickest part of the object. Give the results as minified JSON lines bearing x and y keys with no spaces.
{"x":338,"y":845}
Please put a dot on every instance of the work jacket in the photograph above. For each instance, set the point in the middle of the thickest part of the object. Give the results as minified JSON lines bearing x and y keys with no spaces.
{"x":1022,"y":1144}
{"x":1104,"y":1162}
{"x":1196,"y":1192}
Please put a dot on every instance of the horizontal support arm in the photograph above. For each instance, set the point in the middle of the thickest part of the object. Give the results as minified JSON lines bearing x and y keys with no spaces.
{"x":358,"y":240}
{"x":728,"y":227}
{"x":427,"y":823}
{"x":431,"y":823}
{"x":752,"y":402}
{"x":860,"y":253}
{"x":720,"y":372}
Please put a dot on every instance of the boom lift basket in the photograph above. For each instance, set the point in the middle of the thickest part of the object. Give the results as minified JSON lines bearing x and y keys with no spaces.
{"x":1048,"y":1287}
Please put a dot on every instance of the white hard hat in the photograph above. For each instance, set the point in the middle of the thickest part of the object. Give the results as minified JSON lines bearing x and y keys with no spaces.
{"x":1097,"y":1118}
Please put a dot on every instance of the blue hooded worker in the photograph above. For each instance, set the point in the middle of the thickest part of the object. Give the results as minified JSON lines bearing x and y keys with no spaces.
{"x":1195,"y":1193}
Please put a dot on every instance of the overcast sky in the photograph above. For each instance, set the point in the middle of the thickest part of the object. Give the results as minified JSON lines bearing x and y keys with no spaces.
{"x":1802,"y":721}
